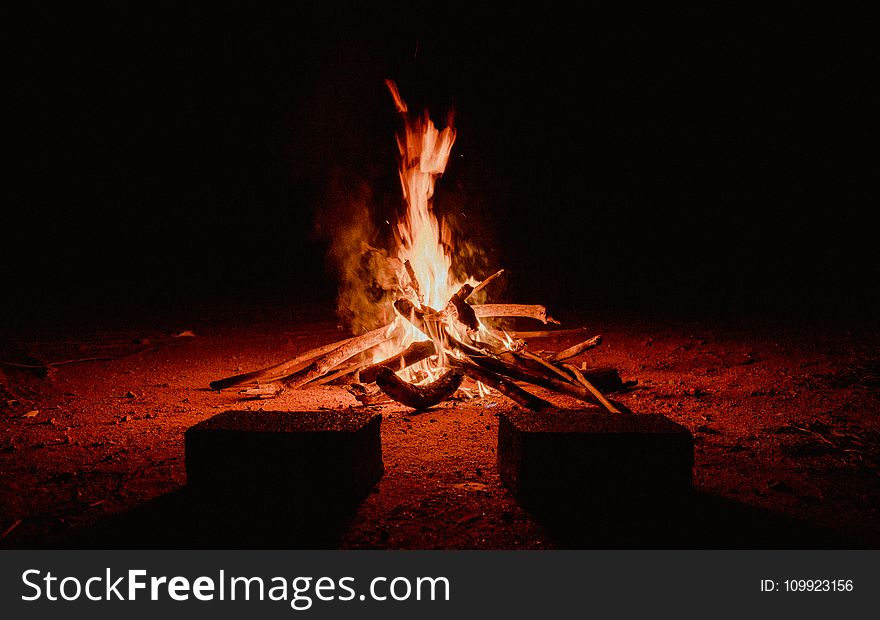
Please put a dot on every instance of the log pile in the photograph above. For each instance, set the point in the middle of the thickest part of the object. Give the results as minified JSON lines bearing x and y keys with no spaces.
{"x":458,"y":346}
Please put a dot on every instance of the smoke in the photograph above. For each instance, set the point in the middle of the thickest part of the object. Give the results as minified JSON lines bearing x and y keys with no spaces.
{"x":358,"y":258}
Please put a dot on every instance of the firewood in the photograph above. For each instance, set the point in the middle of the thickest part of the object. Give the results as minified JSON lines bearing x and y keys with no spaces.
{"x":343,"y":370}
{"x":609,"y":406}
{"x":505,"y":386}
{"x":514,"y":310}
{"x":495,"y":364}
{"x":545,"y":364}
{"x":465,"y":311}
{"x":521,"y":373}
{"x":550,"y":333}
{"x":418,"y":396}
{"x":327,"y":363}
{"x":278,"y":371}
{"x":262,"y":391}
{"x":415,"y":353}
{"x":574,"y":350}
{"x":417,"y":317}
{"x":479,"y":287}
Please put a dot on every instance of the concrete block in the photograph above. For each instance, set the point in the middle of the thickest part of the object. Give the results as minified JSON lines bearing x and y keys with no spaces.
{"x":311,"y":459}
{"x":589,"y":460}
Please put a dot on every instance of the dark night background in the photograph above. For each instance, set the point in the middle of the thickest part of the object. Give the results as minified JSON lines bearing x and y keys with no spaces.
{"x":695,"y":162}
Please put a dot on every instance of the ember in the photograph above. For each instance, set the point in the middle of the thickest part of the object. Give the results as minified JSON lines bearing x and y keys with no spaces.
{"x":438,"y":339}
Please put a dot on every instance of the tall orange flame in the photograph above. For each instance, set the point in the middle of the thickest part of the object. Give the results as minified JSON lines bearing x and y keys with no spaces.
{"x":423,"y":239}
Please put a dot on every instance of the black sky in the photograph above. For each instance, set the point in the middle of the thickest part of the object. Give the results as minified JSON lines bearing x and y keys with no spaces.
{"x":695,"y":159}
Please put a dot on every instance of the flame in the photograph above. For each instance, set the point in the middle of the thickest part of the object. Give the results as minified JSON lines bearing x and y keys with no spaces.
{"x":424,"y":242}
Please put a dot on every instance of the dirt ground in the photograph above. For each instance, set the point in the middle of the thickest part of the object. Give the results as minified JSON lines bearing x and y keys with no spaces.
{"x":784,"y":418}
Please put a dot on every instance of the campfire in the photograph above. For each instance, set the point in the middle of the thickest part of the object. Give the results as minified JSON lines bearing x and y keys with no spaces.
{"x":436,"y":342}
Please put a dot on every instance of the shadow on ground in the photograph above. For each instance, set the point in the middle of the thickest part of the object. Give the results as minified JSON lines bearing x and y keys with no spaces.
{"x":187,"y":520}
{"x":695,"y":521}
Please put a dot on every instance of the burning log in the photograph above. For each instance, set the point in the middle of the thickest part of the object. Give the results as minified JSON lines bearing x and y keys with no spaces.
{"x":574,"y":350}
{"x":414,"y":315}
{"x":415,"y":353}
{"x":495,"y":364}
{"x":466,"y":314}
{"x":536,"y":312}
{"x":418,"y":396}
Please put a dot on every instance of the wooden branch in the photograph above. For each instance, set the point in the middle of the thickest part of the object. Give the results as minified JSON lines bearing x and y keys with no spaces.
{"x":262,"y":391}
{"x":278,"y":371}
{"x":574,"y":350}
{"x":510,"y":389}
{"x":550,"y":333}
{"x":325,"y":364}
{"x":547,"y":365}
{"x":609,"y":406}
{"x":606,"y":379}
{"x":415,"y":353}
{"x":343,"y":370}
{"x":479,"y":287}
{"x":418,"y":396}
{"x":518,"y":372}
{"x":518,"y":310}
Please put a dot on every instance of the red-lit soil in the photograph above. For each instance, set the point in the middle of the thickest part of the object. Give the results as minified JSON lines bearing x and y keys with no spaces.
{"x":784,"y":418}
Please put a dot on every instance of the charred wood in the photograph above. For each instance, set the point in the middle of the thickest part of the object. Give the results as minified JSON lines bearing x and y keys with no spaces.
{"x":415,"y":353}
{"x":418,"y":396}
